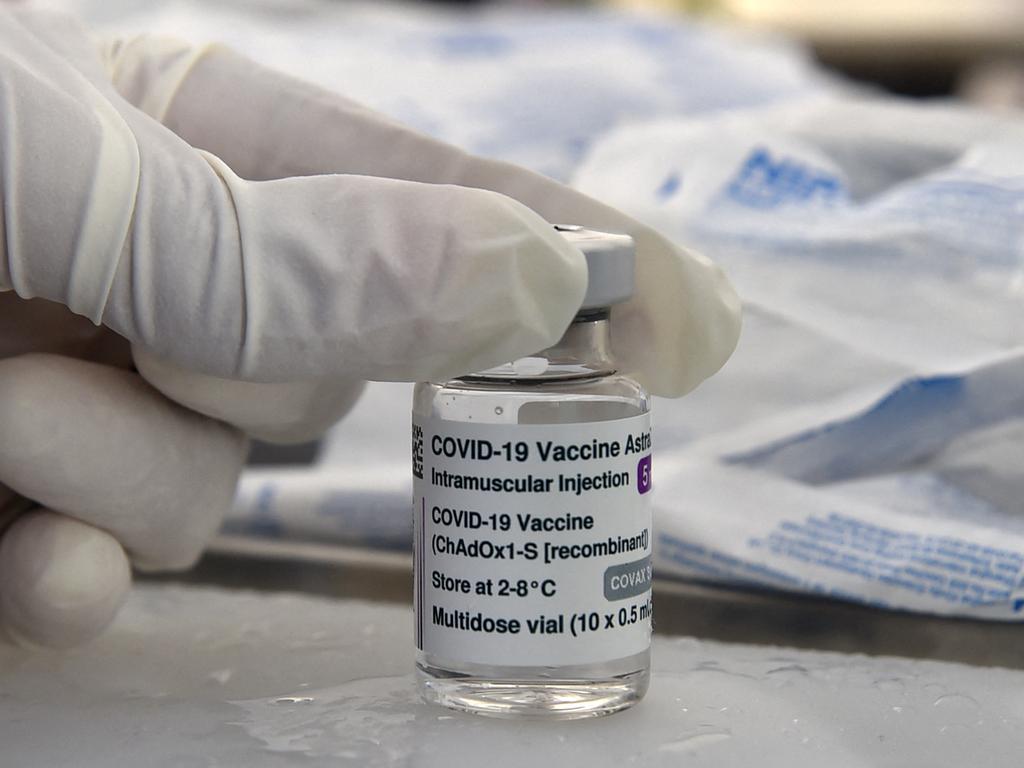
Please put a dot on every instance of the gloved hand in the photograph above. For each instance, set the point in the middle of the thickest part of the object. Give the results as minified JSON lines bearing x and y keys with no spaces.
{"x":264,"y":246}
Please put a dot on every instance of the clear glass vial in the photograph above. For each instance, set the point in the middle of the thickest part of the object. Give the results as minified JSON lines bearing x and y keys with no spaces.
{"x":573,"y":382}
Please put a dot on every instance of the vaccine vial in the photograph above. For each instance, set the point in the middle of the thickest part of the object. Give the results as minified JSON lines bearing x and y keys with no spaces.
{"x":532,"y":521}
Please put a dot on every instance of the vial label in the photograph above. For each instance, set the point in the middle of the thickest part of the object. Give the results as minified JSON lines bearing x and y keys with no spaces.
{"x":533,"y":542}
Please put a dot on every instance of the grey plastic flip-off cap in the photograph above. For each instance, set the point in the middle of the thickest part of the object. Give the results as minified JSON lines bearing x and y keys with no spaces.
{"x":611,"y":260}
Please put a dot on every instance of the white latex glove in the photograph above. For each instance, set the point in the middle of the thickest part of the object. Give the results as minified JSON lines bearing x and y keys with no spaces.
{"x":131,"y":193}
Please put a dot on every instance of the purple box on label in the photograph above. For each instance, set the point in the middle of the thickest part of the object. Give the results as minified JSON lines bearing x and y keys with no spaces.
{"x":643,"y":474}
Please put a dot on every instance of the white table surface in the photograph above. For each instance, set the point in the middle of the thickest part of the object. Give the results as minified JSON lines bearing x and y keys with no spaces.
{"x":205,"y":677}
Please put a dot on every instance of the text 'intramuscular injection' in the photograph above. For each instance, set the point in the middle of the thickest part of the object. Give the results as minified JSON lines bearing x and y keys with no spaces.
{"x":533,"y":524}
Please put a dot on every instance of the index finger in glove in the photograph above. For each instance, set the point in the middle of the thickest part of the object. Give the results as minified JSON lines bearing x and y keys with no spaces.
{"x":283,"y":412}
{"x":680,"y":327}
{"x":113,"y":215}
{"x":98,"y":444}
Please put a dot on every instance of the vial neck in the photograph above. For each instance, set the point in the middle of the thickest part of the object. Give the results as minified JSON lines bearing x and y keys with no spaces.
{"x":584,"y":351}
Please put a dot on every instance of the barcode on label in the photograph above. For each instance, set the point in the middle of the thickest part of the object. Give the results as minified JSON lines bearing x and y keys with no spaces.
{"x":417,"y":451}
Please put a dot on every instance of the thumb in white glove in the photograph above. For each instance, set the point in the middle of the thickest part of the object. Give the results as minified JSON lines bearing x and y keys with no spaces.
{"x":684,"y":319}
{"x":288,"y":279}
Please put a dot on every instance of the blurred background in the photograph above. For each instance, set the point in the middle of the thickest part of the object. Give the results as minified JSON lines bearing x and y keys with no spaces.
{"x":968,"y":48}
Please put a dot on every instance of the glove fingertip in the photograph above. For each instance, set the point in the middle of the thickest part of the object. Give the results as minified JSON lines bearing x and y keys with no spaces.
{"x":61,"y":581}
{"x":519,"y":285}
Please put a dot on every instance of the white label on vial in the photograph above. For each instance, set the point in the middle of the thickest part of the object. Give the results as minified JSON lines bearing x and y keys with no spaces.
{"x":533,"y":542}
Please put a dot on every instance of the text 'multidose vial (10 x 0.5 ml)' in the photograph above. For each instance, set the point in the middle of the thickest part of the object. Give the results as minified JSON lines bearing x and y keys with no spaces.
{"x":532,"y":522}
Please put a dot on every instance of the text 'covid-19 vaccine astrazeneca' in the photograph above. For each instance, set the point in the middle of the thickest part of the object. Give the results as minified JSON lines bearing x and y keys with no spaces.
{"x":532,"y":521}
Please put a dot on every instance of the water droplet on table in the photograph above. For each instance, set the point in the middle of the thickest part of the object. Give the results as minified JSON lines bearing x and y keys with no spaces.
{"x":702,"y":736}
{"x":221,"y":676}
